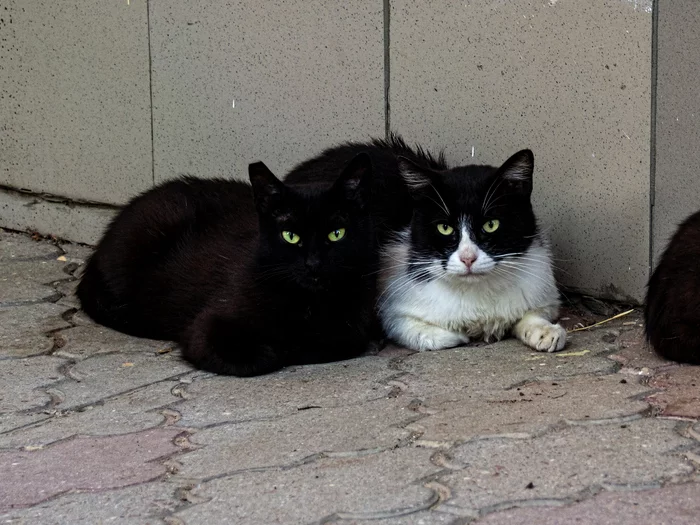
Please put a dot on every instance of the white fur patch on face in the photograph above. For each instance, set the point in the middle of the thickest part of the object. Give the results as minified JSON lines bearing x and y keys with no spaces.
{"x":468,"y":259}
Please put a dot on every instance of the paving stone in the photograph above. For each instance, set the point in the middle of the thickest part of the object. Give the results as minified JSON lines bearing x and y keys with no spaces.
{"x":76,"y":253}
{"x":635,"y":355}
{"x":681,"y":392}
{"x":414,"y":518}
{"x":216,"y":399}
{"x":501,"y":365}
{"x":67,"y":289}
{"x":131,"y":412}
{"x":140,"y":504}
{"x":21,"y":380}
{"x":103,"y":376}
{"x":355,"y":488}
{"x":671,"y":505}
{"x":20,"y":247}
{"x":285,"y":441}
{"x":79,"y":318}
{"x":18,"y":292}
{"x":531,"y":408}
{"x":92,"y":339}
{"x":94,"y":463}
{"x":42,"y":272}
{"x":24,"y":329}
{"x":564,"y":463}
{"x":12,"y":421}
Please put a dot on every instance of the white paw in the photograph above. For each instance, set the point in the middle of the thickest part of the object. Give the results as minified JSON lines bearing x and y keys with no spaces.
{"x":545,"y":337}
{"x":435,"y":338}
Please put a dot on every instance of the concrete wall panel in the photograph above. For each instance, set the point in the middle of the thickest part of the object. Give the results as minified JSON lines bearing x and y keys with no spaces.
{"x":74,"y":83}
{"x":237,"y":82}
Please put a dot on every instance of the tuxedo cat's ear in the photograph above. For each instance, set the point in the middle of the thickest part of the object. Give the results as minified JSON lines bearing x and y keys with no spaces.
{"x":267,"y":189}
{"x":355,"y":179}
{"x":417,"y":178}
{"x":517,"y":171}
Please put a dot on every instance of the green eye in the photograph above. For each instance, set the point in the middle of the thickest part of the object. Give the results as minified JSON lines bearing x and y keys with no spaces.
{"x":291,"y":238}
{"x":445,"y":229}
{"x":491,"y":226}
{"x":336,"y":235}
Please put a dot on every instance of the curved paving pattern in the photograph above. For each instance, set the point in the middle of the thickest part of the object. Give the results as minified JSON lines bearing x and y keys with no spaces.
{"x":96,"y":426}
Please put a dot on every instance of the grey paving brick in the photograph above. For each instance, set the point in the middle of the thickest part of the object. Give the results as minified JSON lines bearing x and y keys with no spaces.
{"x":24,"y":329}
{"x":218,"y":399}
{"x":566,"y":463}
{"x":353,"y":488}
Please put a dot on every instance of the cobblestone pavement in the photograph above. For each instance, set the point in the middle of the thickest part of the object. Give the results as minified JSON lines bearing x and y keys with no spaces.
{"x":98,"y":427}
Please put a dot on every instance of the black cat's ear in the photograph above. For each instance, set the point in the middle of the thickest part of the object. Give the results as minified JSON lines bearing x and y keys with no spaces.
{"x":517,"y":171}
{"x":355,"y":179}
{"x":417,"y":178}
{"x":267,"y":189}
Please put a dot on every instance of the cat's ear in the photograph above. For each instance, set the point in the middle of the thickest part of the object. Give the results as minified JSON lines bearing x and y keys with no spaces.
{"x":267,"y":189}
{"x":355,"y":179}
{"x":417,"y":178}
{"x":517,"y":171}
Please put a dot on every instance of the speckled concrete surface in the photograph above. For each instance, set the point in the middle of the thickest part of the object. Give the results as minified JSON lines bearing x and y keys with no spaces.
{"x":76,"y":111}
{"x":98,"y":427}
{"x":234,"y":83}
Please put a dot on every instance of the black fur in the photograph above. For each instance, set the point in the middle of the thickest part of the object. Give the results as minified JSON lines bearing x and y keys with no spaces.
{"x":672,"y":311}
{"x":392,"y":206}
{"x":203,"y":262}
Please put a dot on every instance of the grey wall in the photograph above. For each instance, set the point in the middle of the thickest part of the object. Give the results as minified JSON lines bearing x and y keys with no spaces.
{"x":74,"y":83}
{"x":304,"y":75}
{"x":112,"y":97}
{"x":677,"y":170}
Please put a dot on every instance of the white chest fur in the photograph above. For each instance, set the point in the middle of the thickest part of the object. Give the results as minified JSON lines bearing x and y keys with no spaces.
{"x":474,"y":306}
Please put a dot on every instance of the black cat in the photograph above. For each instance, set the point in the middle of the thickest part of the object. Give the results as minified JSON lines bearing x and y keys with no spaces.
{"x":672,"y":312}
{"x":247,"y":282}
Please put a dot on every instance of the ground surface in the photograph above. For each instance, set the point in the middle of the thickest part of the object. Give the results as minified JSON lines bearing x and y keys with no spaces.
{"x":98,"y":427}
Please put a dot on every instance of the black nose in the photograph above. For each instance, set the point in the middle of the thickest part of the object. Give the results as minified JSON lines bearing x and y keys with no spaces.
{"x":313,"y":264}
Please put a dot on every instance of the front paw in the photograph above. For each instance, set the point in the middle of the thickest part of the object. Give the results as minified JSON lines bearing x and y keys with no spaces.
{"x":545,"y":337}
{"x":434,"y":338}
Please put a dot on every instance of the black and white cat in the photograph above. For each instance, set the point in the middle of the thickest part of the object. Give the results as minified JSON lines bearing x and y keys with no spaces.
{"x":473,"y":262}
{"x":672,"y":312}
{"x":248,"y":280}
{"x":463,"y":256}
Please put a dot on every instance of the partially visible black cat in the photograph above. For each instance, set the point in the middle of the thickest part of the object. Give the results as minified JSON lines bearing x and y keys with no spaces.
{"x":672,"y":313}
{"x":247,"y":282}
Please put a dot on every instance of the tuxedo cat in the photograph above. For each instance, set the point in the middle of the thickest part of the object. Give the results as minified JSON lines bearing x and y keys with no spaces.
{"x":462,"y":254}
{"x":672,"y":312}
{"x":473,"y":262}
{"x":247,"y":281}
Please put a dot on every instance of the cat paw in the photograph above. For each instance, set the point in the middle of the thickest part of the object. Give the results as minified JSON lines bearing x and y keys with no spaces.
{"x":545,"y":337}
{"x":435,"y":338}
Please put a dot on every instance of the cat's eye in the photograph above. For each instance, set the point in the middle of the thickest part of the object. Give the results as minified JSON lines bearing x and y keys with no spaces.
{"x":445,"y":229}
{"x":336,"y":235}
{"x":290,"y":237}
{"x":491,"y":226}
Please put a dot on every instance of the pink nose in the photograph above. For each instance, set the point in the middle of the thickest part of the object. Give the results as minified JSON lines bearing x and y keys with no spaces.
{"x":468,"y":259}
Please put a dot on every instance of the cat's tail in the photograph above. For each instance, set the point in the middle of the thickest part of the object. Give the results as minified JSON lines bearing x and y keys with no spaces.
{"x":224,"y":345}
